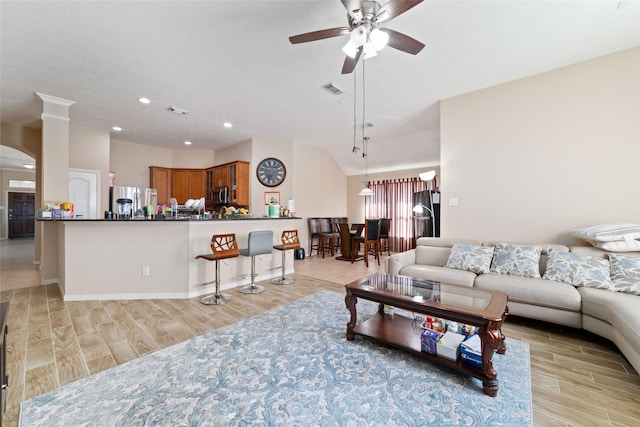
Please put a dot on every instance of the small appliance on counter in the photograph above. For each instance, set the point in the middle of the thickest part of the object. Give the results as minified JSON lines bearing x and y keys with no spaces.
{"x":141,"y":202}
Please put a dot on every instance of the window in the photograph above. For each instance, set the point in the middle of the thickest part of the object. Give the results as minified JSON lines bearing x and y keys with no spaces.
{"x":16,"y":183}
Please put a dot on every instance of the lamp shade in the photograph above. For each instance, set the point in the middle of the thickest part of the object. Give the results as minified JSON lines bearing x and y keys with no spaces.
{"x":379,"y":39}
{"x":366,"y":191}
{"x":427,"y":176}
{"x":369,"y":51}
{"x":350,"y":49}
{"x":358,"y":36}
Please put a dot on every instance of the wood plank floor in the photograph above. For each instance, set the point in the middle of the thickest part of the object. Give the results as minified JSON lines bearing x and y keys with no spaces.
{"x":578,"y":379}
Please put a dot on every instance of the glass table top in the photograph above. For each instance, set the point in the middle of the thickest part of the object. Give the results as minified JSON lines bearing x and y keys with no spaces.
{"x":428,"y":292}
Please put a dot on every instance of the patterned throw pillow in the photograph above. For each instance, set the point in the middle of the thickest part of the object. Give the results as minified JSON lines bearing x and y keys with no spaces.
{"x":625,"y":274}
{"x":578,"y":270}
{"x":476,"y":259}
{"x":516,"y":260}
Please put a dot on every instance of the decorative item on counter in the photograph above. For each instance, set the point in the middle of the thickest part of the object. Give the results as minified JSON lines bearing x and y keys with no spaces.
{"x":67,"y":210}
{"x":274,"y":211}
{"x":108,"y":214}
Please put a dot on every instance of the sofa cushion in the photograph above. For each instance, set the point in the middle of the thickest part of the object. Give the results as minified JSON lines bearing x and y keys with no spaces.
{"x":618,"y":309}
{"x":474,"y":258}
{"x":578,"y":270}
{"x":430,"y":255}
{"x":516,"y":260}
{"x":625,"y":274}
{"x":439,"y":274}
{"x":539,"y":292}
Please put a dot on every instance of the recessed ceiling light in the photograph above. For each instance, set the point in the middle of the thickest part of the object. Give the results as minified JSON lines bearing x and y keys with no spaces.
{"x":29,"y":166}
{"x":227,"y":124}
{"x":117,"y":129}
{"x":187,"y":143}
{"x":144,"y":100}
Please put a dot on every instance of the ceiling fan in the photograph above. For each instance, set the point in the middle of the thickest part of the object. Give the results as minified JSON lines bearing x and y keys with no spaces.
{"x":364,"y":17}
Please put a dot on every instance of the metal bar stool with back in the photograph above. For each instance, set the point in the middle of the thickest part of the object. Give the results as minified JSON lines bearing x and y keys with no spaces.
{"x":223,"y":246}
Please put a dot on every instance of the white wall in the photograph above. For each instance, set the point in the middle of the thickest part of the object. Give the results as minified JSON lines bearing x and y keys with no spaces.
{"x":532,"y":159}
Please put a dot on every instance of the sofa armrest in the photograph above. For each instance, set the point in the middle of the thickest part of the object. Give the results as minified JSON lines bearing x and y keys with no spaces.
{"x":397,"y":261}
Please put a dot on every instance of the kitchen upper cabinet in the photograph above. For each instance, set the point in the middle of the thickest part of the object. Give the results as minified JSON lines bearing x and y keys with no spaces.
{"x":239,"y":183}
{"x":221,"y":176}
{"x":234,"y":176}
{"x":160,"y":179}
{"x":187,"y":184}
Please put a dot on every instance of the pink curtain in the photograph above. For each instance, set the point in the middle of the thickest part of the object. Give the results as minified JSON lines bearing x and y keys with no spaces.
{"x":394,"y":199}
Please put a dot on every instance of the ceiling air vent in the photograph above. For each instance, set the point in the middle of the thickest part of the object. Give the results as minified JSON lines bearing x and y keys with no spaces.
{"x":332,"y":88}
{"x":178,"y":110}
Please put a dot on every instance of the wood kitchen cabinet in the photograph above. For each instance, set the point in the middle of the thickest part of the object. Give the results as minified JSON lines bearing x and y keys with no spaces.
{"x":234,"y":176}
{"x":160,"y":179}
{"x":187,"y":184}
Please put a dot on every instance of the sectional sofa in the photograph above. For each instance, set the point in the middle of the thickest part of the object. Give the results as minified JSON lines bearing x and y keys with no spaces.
{"x":570,"y":286}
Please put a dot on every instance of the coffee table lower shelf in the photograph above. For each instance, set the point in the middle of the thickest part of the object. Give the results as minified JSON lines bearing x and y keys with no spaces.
{"x":400,"y":332}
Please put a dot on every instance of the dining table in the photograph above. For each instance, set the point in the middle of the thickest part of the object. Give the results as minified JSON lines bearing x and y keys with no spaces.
{"x":348,"y":249}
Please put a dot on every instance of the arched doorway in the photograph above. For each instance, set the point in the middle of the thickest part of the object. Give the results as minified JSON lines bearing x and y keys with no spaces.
{"x":17,"y":193}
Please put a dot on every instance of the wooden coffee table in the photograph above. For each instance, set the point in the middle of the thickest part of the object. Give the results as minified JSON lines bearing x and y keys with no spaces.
{"x":483,"y":309}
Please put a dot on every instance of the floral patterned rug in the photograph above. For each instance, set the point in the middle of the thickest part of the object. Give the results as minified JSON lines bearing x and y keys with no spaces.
{"x":288,"y":366}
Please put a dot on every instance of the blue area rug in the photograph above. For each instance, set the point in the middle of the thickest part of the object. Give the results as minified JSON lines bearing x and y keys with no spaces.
{"x":288,"y":366}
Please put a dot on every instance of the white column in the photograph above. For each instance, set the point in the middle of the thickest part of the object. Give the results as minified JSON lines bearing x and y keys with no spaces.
{"x":54,"y":168}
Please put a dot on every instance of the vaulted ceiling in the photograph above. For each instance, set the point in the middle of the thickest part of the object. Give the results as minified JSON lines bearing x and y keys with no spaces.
{"x":232,"y":61}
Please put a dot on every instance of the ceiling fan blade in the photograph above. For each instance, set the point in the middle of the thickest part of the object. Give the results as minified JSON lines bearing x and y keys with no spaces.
{"x":403,"y":42}
{"x":319,"y":35}
{"x":395,"y":8}
{"x":350,"y":63}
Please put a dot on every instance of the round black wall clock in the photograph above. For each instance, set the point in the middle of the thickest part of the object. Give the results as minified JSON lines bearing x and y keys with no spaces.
{"x":271,"y":172}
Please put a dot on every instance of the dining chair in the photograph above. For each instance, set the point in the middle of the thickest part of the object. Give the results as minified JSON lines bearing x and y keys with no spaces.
{"x":370,"y":239}
{"x":328,"y":236}
{"x":314,"y":236}
{"x":385,"y":224}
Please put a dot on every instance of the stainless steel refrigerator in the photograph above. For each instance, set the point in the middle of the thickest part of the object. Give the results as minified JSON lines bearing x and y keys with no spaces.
{"x":426,"y":214}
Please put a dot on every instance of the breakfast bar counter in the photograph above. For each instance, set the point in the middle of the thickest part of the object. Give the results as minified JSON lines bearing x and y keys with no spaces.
{"x":138,"y":259}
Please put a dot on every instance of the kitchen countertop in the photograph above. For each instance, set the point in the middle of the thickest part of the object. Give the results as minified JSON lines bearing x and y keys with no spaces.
{"x":231,"y":218}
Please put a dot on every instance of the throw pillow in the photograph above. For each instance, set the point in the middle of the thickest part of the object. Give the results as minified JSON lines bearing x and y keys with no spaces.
{"x":608,"y":232}
{"x":516,"y":260}
{"x":625,"y":274}
{"x":476,"y":259}
{"x":619,"y":246}
{"x":578,"y":270}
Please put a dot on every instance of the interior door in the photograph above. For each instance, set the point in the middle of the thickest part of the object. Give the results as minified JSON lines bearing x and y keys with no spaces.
{"x":21,"y":215}
{"x":83,"y":192}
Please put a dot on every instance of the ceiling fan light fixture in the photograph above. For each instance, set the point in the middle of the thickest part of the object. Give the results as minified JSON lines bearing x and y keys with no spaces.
{"x":369,"y":51}
{"x":350,"y":49}
{"x":358,"y":36}
{"x":379,"y":39}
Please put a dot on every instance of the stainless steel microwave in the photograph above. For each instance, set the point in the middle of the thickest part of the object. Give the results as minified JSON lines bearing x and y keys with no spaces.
{"x":220,"y":195}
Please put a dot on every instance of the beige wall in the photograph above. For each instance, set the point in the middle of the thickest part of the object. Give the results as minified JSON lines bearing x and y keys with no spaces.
{"x":131,"y":161}
{"x":355,"y":208}
{"x":89,"y":150}
{"x":532,"y":159}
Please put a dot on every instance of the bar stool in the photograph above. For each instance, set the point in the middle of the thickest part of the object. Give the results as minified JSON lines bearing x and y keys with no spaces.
{"x":289,"y":241}
{"x":223,"y":246}
{"x":260,"y":243}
